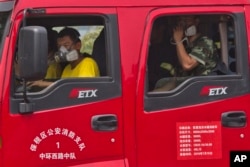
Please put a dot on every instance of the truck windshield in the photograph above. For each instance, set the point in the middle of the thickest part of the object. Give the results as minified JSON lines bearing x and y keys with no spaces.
{"x":6,"y":7}
{"x":5,"y":10}
{"x":3,"y":20}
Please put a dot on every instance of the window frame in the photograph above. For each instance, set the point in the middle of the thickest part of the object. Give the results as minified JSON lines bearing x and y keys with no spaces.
{"x":108,"y":87}
{"x":180,"y":96}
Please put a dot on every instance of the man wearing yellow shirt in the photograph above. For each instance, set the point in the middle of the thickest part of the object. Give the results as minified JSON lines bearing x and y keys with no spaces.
{"x":69,"y":46}
{"x":79,"y":65}
{"x":86,"y":68}
{"x":54,"y":70}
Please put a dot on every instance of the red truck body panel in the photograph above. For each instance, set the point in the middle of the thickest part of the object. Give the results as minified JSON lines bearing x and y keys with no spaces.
{"x":64,"y":136}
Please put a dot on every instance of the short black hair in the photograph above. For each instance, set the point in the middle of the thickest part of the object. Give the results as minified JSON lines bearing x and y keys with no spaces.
{"x":71,"y":32}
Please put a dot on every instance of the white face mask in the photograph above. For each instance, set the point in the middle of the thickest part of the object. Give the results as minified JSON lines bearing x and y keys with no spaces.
{"x":72,"y":55}
{"x":190,"y":31}
{"x":68,"y":55}
{"x":63,"y":49}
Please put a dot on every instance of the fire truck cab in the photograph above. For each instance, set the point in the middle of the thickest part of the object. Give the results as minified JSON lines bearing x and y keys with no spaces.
{"x":117,"y":119}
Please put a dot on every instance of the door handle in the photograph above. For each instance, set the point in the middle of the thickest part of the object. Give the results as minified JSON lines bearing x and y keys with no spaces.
{"x":234,"y":119}
{"x":106,"y":122}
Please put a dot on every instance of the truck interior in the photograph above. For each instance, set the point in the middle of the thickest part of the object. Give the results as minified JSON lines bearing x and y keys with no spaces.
{"x":92,"y":36}
{"x":90,"y":28}
{"x":218,"y":27}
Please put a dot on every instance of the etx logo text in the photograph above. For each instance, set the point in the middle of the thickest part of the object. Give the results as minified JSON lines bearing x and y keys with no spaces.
{"x":240,"y":159}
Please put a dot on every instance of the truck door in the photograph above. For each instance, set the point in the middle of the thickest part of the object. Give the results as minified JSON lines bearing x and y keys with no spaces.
{"x":202,"y":120}
{"x":74,"y":121}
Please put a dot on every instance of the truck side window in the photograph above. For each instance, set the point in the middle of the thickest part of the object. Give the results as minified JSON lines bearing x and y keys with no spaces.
{"x":92,"y":49}
{"x":3,"y":19}
{"x":179,"y":87}
{"x":186,"y":46}
{"x":99,"y":43}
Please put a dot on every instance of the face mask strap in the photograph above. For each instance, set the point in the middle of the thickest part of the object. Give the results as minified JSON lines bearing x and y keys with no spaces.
{"x":176,"y":43}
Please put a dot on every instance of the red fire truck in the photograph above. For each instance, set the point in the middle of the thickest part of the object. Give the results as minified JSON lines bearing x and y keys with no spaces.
{"x":116,"y":119}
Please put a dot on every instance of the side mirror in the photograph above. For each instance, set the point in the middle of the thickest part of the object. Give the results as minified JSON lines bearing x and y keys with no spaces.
{"x":32,"y":53}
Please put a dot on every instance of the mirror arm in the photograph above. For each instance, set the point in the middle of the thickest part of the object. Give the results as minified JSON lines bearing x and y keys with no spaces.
{"x":25,"y":106}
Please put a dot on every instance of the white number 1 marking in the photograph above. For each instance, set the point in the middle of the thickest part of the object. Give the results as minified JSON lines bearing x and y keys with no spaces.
{"x":58,"y":145}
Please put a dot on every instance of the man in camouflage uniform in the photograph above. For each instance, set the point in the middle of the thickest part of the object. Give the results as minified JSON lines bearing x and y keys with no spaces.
{"x":203,"y":51}
{"x":198,"y":57}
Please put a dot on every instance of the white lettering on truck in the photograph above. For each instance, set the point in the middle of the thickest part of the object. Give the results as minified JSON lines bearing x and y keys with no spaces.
{"x":217,"y":91}
{"x":87,"y":93}
{"x":61,"y":134}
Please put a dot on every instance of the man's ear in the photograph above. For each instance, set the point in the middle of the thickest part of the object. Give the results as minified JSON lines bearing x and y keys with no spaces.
{"x":78,"y":45}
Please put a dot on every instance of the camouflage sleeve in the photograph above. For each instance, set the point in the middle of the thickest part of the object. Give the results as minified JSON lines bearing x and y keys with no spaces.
{"x":203,"y":50}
